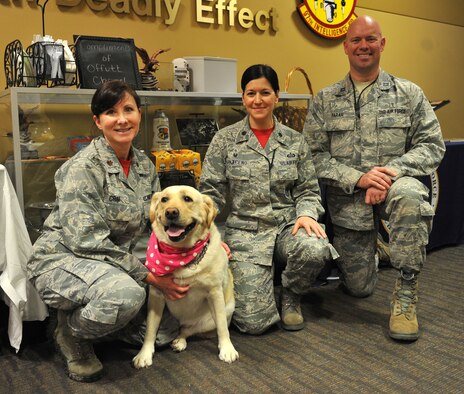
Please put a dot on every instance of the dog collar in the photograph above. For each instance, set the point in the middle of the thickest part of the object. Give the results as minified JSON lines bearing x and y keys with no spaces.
{"x":163,"y":259}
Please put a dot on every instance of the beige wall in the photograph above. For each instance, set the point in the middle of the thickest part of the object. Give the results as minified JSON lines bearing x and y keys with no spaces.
{"x":423,"y":46}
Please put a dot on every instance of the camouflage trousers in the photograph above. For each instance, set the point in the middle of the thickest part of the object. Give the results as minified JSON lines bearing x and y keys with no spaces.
{"x":409,"y":216}
{"x":105,"y":302}
{"x":302,"y":259}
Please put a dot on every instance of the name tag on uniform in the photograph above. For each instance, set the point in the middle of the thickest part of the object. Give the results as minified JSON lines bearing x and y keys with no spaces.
{"x":235,"y":162}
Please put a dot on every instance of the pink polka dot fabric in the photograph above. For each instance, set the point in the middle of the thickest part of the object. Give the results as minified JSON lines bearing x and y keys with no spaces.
{"x":163,"y":259}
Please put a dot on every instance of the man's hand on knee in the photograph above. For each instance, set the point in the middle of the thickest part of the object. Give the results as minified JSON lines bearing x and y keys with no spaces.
{"x":377,"y":177}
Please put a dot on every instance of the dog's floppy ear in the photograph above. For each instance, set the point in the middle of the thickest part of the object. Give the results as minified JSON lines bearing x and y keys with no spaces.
{"x":154,"y":203}
{"x":210,"y":209}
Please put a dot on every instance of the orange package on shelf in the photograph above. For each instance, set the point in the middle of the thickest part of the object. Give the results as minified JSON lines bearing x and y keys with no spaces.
{"x":164,"y":160}
{"x":188,"y":160}
{"x":179,"y":160}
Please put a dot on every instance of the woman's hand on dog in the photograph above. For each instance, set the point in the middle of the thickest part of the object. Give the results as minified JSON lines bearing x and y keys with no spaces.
{"x":310,"y":225}
{"x":227,"y":249}
{"x":170,"y":289}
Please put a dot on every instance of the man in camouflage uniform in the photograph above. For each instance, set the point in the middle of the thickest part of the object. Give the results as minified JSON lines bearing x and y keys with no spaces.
{"x":371,"y":134}
{"x":268,"y":188}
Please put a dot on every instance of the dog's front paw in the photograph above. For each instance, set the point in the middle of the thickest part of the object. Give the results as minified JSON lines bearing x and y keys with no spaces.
{"x":227,"y":353}
{"x":143,"y":359}
{"x":179,"y":344}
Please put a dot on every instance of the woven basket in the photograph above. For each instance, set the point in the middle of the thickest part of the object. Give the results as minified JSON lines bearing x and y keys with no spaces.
{"x":293,"y":116}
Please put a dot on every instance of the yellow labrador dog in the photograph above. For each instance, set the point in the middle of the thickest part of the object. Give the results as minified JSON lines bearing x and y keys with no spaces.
{"x":187,"y":243}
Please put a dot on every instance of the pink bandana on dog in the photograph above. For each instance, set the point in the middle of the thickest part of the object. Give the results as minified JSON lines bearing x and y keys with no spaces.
{"x":163,"y":258}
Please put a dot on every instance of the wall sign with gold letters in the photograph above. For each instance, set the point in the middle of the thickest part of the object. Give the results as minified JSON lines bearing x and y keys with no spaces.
{"x":220,"y":12}
{"x":328,"y":18}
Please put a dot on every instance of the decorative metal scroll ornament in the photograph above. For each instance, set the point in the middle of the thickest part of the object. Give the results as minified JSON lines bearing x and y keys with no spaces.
{"x":42,"y":7}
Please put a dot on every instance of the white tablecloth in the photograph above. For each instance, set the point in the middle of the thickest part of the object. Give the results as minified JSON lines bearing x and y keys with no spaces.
{"x":15,"y":248}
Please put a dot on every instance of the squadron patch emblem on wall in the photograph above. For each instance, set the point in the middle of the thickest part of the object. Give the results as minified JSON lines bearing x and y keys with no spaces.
{"x":328,"y":18}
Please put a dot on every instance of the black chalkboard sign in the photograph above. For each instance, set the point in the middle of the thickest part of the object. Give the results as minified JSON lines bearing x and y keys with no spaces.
{"x":101,"y":59}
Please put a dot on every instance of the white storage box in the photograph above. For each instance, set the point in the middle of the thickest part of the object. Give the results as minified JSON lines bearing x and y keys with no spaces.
{"x":212,"y":74}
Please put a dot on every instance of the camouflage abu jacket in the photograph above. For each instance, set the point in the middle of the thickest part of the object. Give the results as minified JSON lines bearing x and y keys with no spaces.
{"x":268,"y":188}
{"x":99,"y":213}
{"x":393,"y":125}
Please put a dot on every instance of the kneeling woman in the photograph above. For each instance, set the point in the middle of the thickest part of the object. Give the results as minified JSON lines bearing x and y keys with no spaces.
{"x":82,"y":264}
{"x":266,"y":170}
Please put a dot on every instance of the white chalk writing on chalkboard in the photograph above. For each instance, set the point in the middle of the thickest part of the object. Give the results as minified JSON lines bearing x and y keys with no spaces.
{"x":100,"y":59}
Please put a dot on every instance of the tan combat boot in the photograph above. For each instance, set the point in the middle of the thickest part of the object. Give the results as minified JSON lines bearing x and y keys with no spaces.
{"x":291,"y":316}
{"x":403,"y":319}
{"x":81,"y":362}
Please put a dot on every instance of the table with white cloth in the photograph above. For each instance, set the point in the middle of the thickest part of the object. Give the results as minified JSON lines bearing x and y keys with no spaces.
{"x":15,"y":248}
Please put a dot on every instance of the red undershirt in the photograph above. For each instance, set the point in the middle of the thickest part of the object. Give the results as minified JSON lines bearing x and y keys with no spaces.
{"x":125,"y":166}
{"x":262,"y":135}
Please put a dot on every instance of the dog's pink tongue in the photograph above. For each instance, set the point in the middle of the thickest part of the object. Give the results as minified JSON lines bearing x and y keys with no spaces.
{"x":174,"y":232}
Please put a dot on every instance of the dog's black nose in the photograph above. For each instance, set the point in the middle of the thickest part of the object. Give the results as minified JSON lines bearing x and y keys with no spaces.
{"x":172,"y":213}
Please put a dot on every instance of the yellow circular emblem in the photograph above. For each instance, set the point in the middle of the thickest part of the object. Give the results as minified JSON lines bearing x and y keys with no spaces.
{"x":328,"y":18}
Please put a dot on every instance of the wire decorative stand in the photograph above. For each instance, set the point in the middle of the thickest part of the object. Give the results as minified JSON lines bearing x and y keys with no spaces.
{"x":42,"y":63}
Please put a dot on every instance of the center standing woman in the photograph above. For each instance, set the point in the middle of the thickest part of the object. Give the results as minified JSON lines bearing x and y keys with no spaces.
{"x":265,"y":169}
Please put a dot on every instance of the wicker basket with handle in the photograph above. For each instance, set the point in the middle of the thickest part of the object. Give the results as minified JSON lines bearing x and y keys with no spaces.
{"x":293,"y":116}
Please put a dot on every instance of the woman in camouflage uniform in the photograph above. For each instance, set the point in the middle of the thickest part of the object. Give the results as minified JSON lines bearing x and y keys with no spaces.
{"x":265,"y":169}
{"x":82,"y":264}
